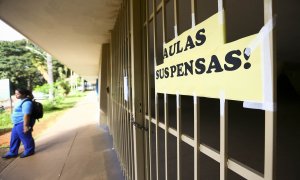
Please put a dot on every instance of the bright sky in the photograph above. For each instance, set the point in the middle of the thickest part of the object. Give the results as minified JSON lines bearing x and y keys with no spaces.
{"x":9,"y":34}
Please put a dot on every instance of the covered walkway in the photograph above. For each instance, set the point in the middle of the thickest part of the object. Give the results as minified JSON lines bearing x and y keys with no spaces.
{"x":76,"y":147}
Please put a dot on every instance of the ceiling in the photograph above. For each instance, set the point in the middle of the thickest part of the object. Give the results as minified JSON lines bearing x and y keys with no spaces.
{"x":72,"y":31}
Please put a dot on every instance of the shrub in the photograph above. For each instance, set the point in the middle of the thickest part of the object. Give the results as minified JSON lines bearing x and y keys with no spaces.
{"x":44,"y":88}
{"x":62,"y":88}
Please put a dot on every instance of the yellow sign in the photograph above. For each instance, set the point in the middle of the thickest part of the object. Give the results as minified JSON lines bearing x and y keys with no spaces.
{"x":198,"y":62}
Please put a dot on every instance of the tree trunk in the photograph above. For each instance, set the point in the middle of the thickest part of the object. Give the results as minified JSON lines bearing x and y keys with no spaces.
{"x":50,"y":76}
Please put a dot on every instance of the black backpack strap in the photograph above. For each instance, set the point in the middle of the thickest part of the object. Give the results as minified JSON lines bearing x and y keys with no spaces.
{"x":27,"y":99}
{"x":32,"y":121}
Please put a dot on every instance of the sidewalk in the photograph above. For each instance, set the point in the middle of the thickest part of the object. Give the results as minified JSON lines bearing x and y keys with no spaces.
{"x":73,"y":148}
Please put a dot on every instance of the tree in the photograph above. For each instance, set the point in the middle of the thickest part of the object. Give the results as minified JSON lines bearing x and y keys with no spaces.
{"x":39,"y":60}
{"x":37,"y":52}
{"x":23,"y":67}
{"x":16,"y":66}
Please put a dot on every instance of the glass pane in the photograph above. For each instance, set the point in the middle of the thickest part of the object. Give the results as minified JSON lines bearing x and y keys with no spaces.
{"x":184,"y":15}
{"x":144,"y":11}
{"x":151,"y":68}
{"x":187,"y":161}
{"x":288,"y":89}
{"x":169,"y":20}
{"x":242,"y":22}
{"x":161,"y":154}
{"x":233,"y":176}
{"x":159,"y":38}
{"x":157,"y":2}
{"x":210,"y":122}
{"x":145,"y":75}
{"x":172,"y":157}
{"x":205,"y":9}
{"x":150,"y":7}
{"x":187,"y":115}
{"x":246,"y":135}
{"x":209,"y":168}
{"x":161,"y":107}
{"x":172,"y":111}
{"x":153,"y":152}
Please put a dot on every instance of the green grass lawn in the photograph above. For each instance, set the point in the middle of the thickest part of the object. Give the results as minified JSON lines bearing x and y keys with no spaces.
{"x":5,"y":121}
{"x":50,"y":109}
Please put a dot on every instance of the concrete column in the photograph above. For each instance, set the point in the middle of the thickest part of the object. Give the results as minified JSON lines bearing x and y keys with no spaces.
{"x":103,"y":83}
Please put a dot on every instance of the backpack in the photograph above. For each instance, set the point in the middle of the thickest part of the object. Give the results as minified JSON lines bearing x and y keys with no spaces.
{"x":37,"y":111}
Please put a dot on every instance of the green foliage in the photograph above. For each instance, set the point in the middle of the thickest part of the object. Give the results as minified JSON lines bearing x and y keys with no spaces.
{"x":62,"y":103}
{"x":38,"y":57}
{"x":25,"y":64}
{"x":2,"y":110}
{"x":5,"y":121}
{"x":50,"y":106}
{"x":56,"y":66}
{"x":16,"y":65}
{"x":43,"y":88}
{"x":59,"y":98}
{"x":62,"y":88}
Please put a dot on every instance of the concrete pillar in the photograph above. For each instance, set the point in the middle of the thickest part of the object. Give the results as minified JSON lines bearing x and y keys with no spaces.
{"x":103,"y":77}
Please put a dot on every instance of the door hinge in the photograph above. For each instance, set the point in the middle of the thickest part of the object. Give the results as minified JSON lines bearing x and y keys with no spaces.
{"x":138,"y":125}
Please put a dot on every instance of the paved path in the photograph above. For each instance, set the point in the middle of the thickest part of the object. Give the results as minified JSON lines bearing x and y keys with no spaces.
{"x":73,"y":148}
